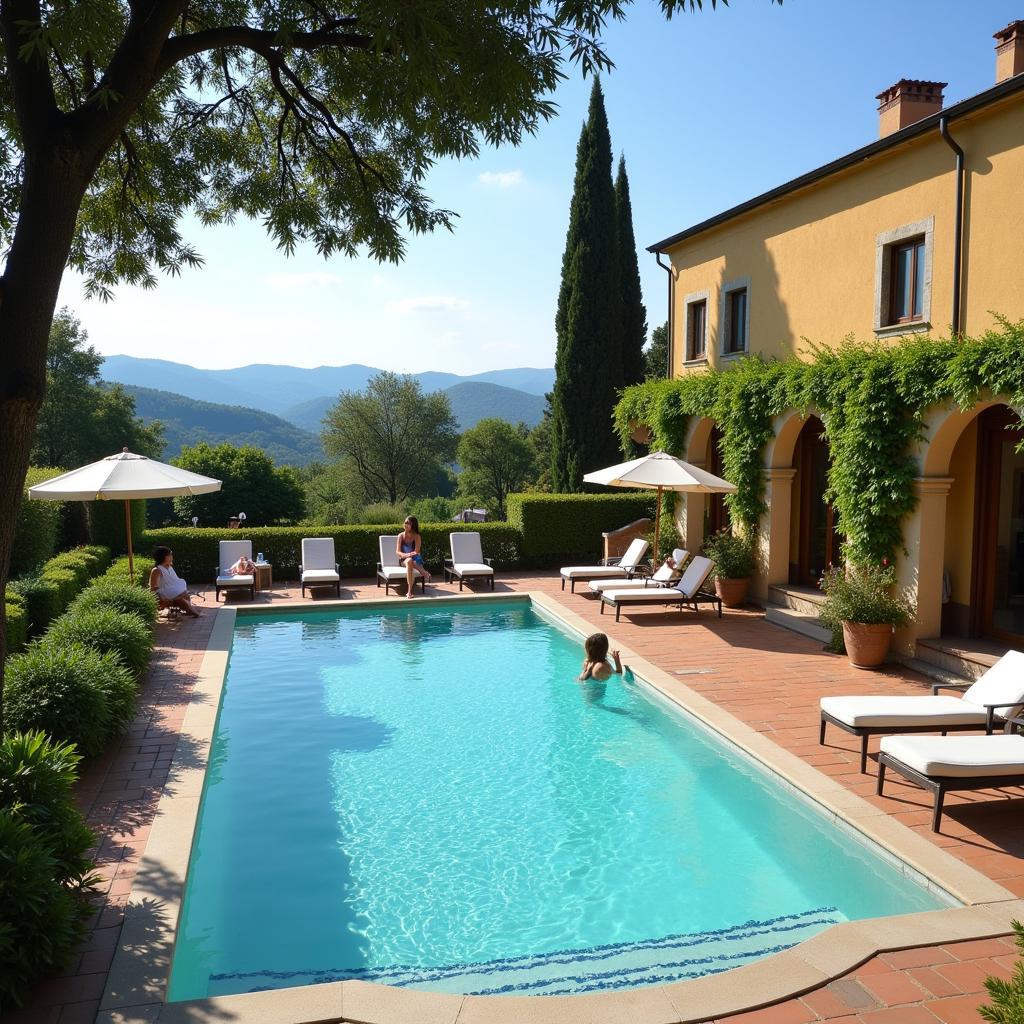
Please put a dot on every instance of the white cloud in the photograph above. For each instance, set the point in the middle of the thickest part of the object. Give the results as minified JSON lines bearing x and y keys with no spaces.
{"x":304,"y":279}
{"x":501,"y":179}
{"x":429,"y":304}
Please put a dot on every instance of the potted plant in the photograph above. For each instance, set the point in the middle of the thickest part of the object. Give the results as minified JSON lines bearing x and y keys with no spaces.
{"x":733,"y":556}
{"x":862,"y":608}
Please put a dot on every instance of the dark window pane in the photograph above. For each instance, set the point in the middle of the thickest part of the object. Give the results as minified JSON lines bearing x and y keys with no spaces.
{"x":737,"y":340}
{"x":919,"y":279}
{"x":698,"y":323}
{"x":901,"y":283}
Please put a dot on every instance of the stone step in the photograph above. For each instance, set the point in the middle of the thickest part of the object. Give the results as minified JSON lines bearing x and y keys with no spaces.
{"x":926,"y":668}
{"x":805,"y":600}
{"x":798,"y":622}
{"x":966,"y":664}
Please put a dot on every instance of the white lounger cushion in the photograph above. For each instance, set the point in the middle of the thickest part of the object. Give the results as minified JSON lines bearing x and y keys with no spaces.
{"x":693,"y":579}
{"x":662,"y":594}
{"x":320,"y":576}
{"x":241,"y":581}
{"x":472,"y":569}
{"x":393,"y":572}
{"x":960,"y":757}
{"x":318,"y":554}
{"x":644,"y":582}
{"x":664,"y":575}
{"x":894,"y":711}
{"x":1000,"y":684}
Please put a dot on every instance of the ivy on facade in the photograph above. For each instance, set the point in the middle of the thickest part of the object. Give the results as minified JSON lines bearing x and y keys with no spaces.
{"x":872,"y":400}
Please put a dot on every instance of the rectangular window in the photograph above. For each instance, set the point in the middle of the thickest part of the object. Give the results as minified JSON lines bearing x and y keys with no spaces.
{"x":907,"y":282}
{"x":736,"y":321}
{"x":696,"y":329}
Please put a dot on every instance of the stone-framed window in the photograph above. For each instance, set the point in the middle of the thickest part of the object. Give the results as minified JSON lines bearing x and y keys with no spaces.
{"x":735,"y":317}
{"x":696,"y":327}
{"x":903,"y":278}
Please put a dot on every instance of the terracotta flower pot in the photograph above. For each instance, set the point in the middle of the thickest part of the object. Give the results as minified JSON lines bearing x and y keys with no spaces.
{"x":867,"y":644}
{"x":732,"y":592}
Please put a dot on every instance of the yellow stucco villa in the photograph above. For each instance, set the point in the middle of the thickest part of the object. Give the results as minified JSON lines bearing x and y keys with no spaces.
{"x":920,"y":231}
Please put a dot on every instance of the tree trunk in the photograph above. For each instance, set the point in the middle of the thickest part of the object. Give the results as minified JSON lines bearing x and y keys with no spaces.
{"x":53,"y":189}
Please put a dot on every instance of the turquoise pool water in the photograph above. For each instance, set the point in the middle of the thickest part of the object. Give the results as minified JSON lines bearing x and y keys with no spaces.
{"x":426,"y":796}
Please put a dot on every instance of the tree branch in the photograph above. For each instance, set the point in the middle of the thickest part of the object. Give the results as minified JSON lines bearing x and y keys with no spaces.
{"x":35,"y":103}
{"x":181,"y":47}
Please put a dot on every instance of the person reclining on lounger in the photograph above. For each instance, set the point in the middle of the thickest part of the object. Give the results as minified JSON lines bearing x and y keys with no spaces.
{"x":243,"y":567}
{"x":170,"y":589}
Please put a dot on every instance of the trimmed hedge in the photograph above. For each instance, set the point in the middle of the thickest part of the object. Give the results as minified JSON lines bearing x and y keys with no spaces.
{"x":47,"y":594}
{"x":36,"y":525}
{"x":114,"y":591}
{"x":106,"y":630}
{"x":560,"y":529}
{"x":356,"y":548}
{"x":106,"y":524}
{"x":16,"y":622}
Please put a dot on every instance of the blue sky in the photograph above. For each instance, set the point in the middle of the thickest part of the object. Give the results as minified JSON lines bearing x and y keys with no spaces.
{"x":710,"y":109}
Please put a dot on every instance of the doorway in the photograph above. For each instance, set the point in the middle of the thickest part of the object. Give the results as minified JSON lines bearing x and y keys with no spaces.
{"x":997,"y":605}
{"x":818,"y":539}
{"x":716,"y":512}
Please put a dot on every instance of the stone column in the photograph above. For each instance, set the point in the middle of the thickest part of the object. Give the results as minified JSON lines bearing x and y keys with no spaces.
{"x":919,"y":571}
{"x":773,"y":537}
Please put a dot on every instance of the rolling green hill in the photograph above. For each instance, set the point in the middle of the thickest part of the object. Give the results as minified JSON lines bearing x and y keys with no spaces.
{"x":187,"y":421}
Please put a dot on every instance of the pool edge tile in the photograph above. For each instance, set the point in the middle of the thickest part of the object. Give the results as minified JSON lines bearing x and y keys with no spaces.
{"x":367,"y":1003}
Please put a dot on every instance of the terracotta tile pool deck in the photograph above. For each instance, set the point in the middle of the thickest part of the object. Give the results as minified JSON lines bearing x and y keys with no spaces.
{"x":769,"y":678}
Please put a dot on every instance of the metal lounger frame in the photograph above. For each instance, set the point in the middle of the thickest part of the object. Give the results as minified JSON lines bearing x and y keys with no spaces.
{"x":451,"y":575}
{"x":694,"y":602}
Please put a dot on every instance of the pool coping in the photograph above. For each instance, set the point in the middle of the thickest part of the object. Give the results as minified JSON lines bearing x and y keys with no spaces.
{"x":137,"y":982}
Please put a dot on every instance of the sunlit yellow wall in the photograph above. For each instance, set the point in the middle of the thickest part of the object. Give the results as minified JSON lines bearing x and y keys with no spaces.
{"x":810,"y":257}
{"x":960,"y":515}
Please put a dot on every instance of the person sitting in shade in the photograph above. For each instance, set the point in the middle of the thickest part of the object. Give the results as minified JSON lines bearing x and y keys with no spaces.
{"x":170,"y":589}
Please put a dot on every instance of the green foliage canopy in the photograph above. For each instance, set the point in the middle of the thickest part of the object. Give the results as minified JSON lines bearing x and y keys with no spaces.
{"x":250,"y":483}
{"x":656,"y":354}
{"x":393,"y":438}
{"x":496,"y":459}
{"x":633,"y":331}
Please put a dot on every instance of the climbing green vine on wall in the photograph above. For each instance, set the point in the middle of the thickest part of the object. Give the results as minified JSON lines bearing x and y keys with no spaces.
{"x":872,"y":400}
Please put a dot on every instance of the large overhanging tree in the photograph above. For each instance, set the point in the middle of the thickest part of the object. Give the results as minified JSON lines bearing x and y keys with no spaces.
{"x":117,"y":117}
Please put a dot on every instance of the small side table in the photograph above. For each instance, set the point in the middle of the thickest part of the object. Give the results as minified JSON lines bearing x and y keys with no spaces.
{"x":264,"y":576}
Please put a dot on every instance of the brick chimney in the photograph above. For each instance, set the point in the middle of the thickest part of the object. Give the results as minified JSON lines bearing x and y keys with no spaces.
{"x":906,"y":102}
{"x":1009,"y":50}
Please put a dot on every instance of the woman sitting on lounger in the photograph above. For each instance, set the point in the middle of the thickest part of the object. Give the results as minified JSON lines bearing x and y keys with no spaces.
{"x":408,"y":550}
{"x":170,"y":589}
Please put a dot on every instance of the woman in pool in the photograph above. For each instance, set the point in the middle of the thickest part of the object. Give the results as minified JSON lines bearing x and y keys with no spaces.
{"x":170,"y":589}
{"x":595,"y":664}
{"x":408,"y":550}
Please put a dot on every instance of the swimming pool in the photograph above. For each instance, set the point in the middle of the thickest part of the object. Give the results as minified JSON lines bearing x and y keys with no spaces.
{"x":426,"y":797}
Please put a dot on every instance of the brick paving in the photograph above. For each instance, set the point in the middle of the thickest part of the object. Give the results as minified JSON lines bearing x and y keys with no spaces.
{"x":764,"y":675}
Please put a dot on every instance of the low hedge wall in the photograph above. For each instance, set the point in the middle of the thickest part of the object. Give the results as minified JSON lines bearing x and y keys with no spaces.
{"x":356,"y":548}
{"x":36,"y":525}
{"x":562,"y":529}
{"x":15,"y":622}
{"x":46,"y":594}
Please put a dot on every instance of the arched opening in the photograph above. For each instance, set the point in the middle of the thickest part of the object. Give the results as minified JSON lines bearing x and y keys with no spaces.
{"x":814,"y":531}
{"x":716,"y":512}
{"x":983,"y":552}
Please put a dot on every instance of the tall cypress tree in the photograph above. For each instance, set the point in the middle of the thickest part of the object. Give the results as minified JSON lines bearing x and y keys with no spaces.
{"x":588,"y":359}
{"x":633,"y":313}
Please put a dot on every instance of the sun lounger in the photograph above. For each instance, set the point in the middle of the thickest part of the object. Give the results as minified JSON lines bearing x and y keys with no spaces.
{"x":687,"y":593}
{"x":467,"y":561}
{"x":390,"y":571}
{"x":664,"y":576}
{"x":230,"y":552}
{"x":998,"y":689}
{"x":625,"y":567}
{"x":319,"y":569}
{"x":944,"y":764}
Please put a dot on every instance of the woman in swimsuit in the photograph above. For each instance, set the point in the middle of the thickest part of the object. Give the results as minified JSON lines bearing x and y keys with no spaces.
{"x":595,"y":663}
{"x":408,"y":550}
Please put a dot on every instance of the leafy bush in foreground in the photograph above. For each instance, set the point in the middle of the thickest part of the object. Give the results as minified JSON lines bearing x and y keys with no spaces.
{"x":107,"y":630}
{"x":111,"y":592}
{"x":74,"y":693}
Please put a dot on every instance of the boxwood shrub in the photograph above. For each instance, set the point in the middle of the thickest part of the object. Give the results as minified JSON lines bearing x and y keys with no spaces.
{"x":107,"y":630}
{"x":44,"y":862}
{"x":560,"y":529}
{"x":74,"y":693}
{"x":15,"y":621}
{"x":356,"y":548}
{"x":47,"y":593}
{"x":118,"y":594}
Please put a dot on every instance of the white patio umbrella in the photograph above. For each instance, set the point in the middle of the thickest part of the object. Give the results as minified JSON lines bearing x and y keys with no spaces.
{"x":662,"y":472}
{"x":123,"y":477}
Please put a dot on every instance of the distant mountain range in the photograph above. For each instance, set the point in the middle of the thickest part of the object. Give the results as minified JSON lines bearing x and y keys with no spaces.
{"x":277,"y":388}
{"x":250,"y":405}
{"x":471,"y":401}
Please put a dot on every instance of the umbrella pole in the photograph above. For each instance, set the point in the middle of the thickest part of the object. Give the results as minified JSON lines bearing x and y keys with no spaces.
{"x":128,"y":531}
{"x":657,"y":529}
